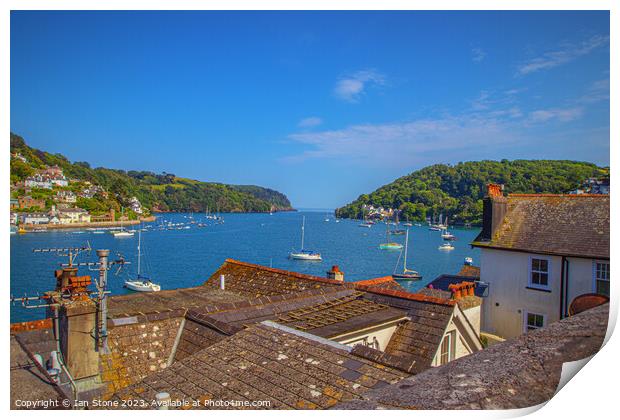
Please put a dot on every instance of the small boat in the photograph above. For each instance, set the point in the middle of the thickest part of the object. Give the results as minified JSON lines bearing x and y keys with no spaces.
{"x":141,"y":283}
{"x":389,"y":245}
{"x":122,"y":233}
{"x":446,"y":247}
{"x":407,"y":224}
{"x":304,"y":254}
{"x":366,"y":225}
{"x":98,"y":232}
{"x":469,"y":261}
{"x":406,"y":274}
{"x":21,"y":230}
{"x":397,"y":232}
{"x":447,"y":236}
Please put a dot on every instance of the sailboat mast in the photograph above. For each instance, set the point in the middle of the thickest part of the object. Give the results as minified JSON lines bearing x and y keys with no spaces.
{"x":303,"y":225}
{"x":139,"y":252}
{"x":406,"y":246}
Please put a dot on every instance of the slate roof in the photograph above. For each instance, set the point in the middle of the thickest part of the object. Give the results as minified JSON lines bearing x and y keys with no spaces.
{"x":570,"y":225}
{"x":469,"y":271}
{"x":518,"y":373}
{"x":290,"y":369}
{"x":165,"y":300}
{"x":27,"y":381}
{"x":440,"y":286}
{"x":252,"y":280}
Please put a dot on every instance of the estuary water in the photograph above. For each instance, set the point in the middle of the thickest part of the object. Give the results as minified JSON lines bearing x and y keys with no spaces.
{"x":187,"y":257}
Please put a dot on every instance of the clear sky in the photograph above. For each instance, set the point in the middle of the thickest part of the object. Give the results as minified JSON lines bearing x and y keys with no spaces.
{"x":322,"y":106}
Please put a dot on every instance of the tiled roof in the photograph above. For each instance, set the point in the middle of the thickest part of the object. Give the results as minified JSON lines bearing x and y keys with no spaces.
{"x":252,"y":280}
{"x":165,"y":300}
{"x":570,"y":225}
{"x":268,"y":363}
{"x":440,"y":287}
{"x":518,"y":373}
{"x":324,"y":314}
{"x":469,"y":271}
{"x":386,"y":282}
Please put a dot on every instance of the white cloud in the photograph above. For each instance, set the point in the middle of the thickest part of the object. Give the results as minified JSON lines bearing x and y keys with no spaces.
{"x":568,"y":53}
{"x":352,"y":87}
{"x":478,"y":54}
{"x":559,"y":114}
{"x":310,"y":122}
{"x":403,"y":143}
{"x":598,"y":91}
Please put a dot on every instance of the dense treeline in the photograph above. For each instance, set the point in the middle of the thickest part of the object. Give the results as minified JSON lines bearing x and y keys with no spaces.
{"x":159,"y":192}
{"x":457,"y":191}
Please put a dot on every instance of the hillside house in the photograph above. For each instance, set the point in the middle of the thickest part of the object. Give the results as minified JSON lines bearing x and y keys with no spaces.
{"x":539,"y":252}
{"x":38,"y":181}
{"x":73,"y":215}
{"x":66,"y":197}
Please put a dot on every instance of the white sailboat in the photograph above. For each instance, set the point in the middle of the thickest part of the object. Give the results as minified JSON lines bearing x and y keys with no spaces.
{"x":304,"y":254}
{"x":406,"y":274}
{"x":141,"y":283}
{"x":122,"y":233}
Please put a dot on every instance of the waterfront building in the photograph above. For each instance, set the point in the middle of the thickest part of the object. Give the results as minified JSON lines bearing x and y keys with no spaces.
{"x":34,"y":218}
{"x":539,"y":252}
{"x":73,"y":215}
{"x":14,"y":203}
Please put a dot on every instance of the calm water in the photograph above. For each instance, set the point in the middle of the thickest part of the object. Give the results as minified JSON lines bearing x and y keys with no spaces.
{"x":183,"y":258}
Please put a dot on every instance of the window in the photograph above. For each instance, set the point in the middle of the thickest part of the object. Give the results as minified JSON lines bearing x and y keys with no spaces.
{"x":539,"y":273}
{"x":601,"y":278}
{"x":533,"y":321}
{"x":447,"y":348}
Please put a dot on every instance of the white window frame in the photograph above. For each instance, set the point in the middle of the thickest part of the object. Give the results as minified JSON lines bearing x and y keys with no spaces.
{"x":525,"y":325}
{"x":450,"y":335}
{"x":594,"y":263}
{"x":530,"y":271}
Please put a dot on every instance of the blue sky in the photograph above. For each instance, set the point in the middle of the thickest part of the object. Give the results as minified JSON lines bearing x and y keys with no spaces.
{"x":322,"y":106}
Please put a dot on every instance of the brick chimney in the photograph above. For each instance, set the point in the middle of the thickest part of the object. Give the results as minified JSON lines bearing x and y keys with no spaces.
{"x":75,"y":318}
{"x":461,"y":290}
{"x":335,"y":274}
{"x":494,"y":207}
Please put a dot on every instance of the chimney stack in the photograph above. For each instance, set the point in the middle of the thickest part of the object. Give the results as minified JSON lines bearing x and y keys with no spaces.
{"x":494,"y":207}
{"x":335,"y":274}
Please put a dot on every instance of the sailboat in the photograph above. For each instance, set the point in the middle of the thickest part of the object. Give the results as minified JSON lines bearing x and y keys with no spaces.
{"x":141,"y":283}
{"x":389,"y":245}
{"x":406,"y":274}
{"x":303,"y":254}
{"x":122,"y":233}
{"x":447,"y":236}
{"x":365,"y":223}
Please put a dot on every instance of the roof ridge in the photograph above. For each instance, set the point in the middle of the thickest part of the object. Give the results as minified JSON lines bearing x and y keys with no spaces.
{"x":285,"y":272}
{"x":418,"y":297}
{"x":376,"y":280}
{"x":559,"y":195}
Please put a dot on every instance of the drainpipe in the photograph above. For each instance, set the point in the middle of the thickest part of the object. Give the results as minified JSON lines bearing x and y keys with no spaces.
{"x":562,"y":300}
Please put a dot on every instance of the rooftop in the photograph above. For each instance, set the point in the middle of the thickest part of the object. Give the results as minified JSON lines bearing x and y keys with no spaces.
{"x":272,"y":363}
{"x":252,"y":280}
{"x":517,"y":373}
{"x":565,"y":224}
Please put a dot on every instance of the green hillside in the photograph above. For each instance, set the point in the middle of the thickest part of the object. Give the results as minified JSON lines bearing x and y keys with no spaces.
{"x":457,"y":191}
{"x":157,"y":192}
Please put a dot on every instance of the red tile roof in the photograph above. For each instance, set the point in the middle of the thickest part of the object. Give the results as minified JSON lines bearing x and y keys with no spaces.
{"x":39,"y":324}
{"x":405,"y":295}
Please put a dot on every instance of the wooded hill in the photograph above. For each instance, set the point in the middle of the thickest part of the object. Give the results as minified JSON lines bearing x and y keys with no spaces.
{"x":157,"y":192}
{"x":457,"y":191}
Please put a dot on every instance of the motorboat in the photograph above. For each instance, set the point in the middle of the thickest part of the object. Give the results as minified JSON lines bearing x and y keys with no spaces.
{"x":447,"y":236}
{"x":446,"y":247}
